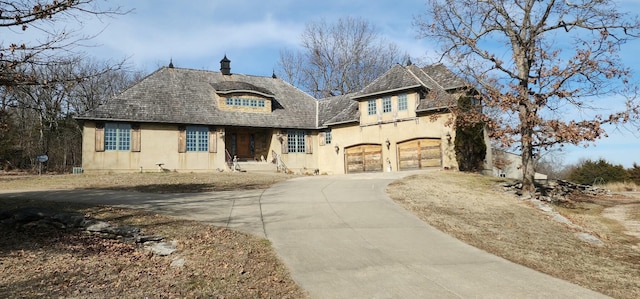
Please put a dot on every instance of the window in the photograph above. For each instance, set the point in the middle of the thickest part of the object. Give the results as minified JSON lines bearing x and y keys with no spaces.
{"x":386,"y":104}
{"x":197,"y":139}
{"x":402,"y":102}
{"x":327,"y":137}
{"x":372,"y":107}
{"x":241,"y":102}
{"x":117,"y":136}
{"x":296,"y":141}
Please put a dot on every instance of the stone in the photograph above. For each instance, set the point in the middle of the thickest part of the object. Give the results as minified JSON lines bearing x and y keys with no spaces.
{"x":589,"y":238}
{"x":69,"y":219}
{"x":145,"y":239}
{"x":164,"y":248}
{"x":177,"y":262}
{"x":98,"y":227}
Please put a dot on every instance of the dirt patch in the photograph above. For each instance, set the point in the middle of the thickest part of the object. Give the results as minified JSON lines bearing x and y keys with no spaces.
{"x":627,"y":212}
{"x":472,"y":209}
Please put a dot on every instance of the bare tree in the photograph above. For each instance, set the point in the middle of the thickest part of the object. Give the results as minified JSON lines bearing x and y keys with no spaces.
{"x":338,"y":58}
{"x":53,"y":44}
{"x":538,"y":61}
{"x":42,"y":115}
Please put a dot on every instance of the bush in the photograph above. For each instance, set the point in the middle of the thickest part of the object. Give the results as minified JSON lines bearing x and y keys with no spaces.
{"x":590,"y":172}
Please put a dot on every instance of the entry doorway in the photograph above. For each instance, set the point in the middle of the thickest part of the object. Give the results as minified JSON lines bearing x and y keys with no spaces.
{"x":247,"y":143}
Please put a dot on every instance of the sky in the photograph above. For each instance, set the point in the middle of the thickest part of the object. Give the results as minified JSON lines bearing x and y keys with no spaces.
{"x":199,"y":33}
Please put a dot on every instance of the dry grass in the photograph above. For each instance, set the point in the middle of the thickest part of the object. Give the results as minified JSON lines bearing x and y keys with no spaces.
{"x":472,"y":209}
{"x":218,"y":263}
{"x":622,"y":187}
{"x":169,"y":182}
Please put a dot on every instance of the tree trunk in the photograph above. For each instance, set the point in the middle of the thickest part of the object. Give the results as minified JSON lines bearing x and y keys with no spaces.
{"x":526,"y":132}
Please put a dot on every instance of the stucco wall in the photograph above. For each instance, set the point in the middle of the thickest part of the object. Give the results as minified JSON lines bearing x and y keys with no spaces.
{"x":395,"y":132}
{"x":158,"y":144}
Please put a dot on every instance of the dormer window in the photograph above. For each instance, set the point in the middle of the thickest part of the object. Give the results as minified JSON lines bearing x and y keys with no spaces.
{"x":372,"y":107}
{"x":402,"y":102}
{"x":243,"y":102}
{"x":386,"y":104}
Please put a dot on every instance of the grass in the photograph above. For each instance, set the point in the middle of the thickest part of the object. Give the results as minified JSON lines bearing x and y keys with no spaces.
{"x":154,"y":182}
{"x":622,"y":187}
{"x":229,"y":264}
{"x":218,"y":263}
{"x":472,"y":209}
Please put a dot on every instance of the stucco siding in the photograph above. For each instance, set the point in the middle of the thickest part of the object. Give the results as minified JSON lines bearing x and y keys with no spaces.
{"x":422,"y":127}
{"x":158,"y":145}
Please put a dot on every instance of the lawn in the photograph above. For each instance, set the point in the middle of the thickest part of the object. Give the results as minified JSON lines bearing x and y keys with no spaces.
{"x":476,"y":210}
{"x":211,"y":262}
{"x":223,"y":263}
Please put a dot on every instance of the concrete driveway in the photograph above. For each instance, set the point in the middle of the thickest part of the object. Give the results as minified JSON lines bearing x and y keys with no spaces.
{"x":342,"y":237}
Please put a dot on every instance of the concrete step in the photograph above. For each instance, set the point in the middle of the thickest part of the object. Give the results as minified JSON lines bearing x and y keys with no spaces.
{"x":257,"y":166}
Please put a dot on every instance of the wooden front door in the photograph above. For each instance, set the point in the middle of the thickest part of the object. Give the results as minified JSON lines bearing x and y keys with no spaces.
{"x":244,"y":145}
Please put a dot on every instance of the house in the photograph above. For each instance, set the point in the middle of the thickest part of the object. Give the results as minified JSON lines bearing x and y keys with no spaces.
{"x":509,"y":165}
{"x":196,"y":121}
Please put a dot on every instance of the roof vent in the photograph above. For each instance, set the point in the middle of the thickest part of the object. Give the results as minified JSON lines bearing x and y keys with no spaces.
{"x":225,"y":66}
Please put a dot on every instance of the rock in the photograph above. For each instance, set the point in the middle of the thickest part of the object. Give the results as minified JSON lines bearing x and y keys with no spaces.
{"x":164,"y":248}
{"x":589,"y":238}
{"x":123,"y":231}
{"x":177,"y":262}
{"x":145,"y":239}
{"x":69,"y":220}
{"x":29,"y":214}
{"x":98,"y":227}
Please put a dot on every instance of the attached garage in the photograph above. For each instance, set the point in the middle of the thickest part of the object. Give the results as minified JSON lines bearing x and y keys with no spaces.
{"x":364,"y":158}
{"x":419,"y":153}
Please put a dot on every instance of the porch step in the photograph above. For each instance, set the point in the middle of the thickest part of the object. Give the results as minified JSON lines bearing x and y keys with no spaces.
{"x":252,"y":166}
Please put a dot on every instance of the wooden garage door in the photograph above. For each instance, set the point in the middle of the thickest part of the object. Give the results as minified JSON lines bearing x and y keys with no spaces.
{"x":419,"y":153}
{"x":364,"y":158}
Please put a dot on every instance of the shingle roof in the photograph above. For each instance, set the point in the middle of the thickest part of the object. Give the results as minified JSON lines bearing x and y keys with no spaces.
{"x":337,"y":110}
{"x":175,"y":95}
{"x":394,"y":79}
{"x":445,"y":77}
{"x":187,"y":96}
{"x":432,"y":82}
{"x":236,"y":86}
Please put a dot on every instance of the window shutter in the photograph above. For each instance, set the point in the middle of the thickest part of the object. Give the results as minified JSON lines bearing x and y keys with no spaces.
{"x":135,"y":137}
{"x":308,"y":143}
{"x":322,"y":138}
{"x":182,"y":139}
{"x":100,"y":137}
{"x":213,"y":140}
{"x":285,"y":144}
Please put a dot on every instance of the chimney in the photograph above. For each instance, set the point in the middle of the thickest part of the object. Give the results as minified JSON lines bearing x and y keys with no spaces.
{"x":225,"y":65}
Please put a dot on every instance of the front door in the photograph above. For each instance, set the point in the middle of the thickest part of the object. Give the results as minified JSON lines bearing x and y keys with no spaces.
{"x":244,"y":145}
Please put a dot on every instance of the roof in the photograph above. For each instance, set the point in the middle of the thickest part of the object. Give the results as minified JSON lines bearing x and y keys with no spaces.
{"x":432,"y":77}
{"x":338,"y":110}
{"x":177,"y":95}
{"x":187,"y":96}
{"x":445,"y":77}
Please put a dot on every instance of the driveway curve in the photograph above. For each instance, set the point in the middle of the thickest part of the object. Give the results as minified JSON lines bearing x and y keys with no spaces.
{"x":342,"y":237}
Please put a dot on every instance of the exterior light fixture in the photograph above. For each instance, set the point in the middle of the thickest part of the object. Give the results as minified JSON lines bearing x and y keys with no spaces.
{"x":337,"y":148}
{"x":388,"y":143}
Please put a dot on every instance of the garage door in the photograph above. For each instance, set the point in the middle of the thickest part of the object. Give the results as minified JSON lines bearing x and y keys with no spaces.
{"x":364,"y":158}
{"x":419,"y":153}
